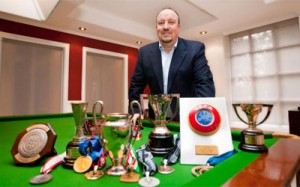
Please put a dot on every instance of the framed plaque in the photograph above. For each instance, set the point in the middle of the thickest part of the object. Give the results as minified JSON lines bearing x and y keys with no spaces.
{"x":204,"y":129}
{"x":33,"y":144}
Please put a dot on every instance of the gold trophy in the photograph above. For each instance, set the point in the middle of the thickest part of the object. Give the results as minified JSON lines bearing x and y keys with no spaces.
{"x":252,"y":137}
{"x":116,"y":137}
{"x":72,"y":149}
{"x":160,"y":138}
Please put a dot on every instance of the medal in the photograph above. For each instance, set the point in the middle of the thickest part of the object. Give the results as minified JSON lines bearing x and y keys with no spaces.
{"x":130,"y":176}
{"x":165,"y":169}
{"x":212,"y":161}
{"x":199,"y":170}
{"x":39,"y":179}
{"x":95,"y":174}
{"x":149,"y":181}
{"x":82,"y":164}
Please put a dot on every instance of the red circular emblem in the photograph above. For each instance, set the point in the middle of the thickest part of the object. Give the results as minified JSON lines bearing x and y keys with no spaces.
{"x":204,"y":119}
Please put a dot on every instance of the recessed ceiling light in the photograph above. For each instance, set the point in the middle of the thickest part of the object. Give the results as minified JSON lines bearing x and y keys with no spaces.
{"x":82,"y":28}
{"x":203,"y":32}
{"x":139,"y":42}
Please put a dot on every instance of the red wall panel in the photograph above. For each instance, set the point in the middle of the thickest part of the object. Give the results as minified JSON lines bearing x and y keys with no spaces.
{"x":76,"y":43}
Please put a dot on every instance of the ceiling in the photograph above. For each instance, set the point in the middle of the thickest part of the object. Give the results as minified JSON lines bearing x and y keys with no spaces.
{"x":127,"y":21}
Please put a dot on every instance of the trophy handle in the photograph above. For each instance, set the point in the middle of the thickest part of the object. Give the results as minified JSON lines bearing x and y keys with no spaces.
{"x":95,"y":117}
{"x":238,"y":115}
{"x":140,"y":117}
{"x":263,"y":105}
{"x":268,"y":113}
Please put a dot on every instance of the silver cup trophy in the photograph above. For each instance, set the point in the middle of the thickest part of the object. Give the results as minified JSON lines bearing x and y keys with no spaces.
{"x":252,"y":137}
{"x":160,"y":138}
{"x":115,"y":136}
{"x":72,"y":149}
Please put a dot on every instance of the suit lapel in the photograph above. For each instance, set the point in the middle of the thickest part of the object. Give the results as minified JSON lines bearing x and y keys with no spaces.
{"x":155,"y":59}
{"x":177,"y":60}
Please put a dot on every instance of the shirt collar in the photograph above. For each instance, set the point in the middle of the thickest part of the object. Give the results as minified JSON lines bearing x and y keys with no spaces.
{"x":162,"y":49}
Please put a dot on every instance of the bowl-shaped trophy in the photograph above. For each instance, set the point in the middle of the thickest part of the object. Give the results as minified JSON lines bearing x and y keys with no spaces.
{"x":253,"y":137}
{"x":72,"y":149}
{"x":115,"y":136}
{"x":160,"y":138}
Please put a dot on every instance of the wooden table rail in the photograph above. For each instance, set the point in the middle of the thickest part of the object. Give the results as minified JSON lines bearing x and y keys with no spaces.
{"x":277,"y":167}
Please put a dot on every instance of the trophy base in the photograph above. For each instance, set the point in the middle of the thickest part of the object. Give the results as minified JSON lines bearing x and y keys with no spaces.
{"x":68,"y":163}
{"x":72,"y":151}
{"x":161,"y":145}
{"x":253,"y":148}
{"x":116,"y":170}
{"x":253,"y":141}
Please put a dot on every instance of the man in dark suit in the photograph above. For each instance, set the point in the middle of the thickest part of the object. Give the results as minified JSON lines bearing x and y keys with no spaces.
{"x":173,"y":64}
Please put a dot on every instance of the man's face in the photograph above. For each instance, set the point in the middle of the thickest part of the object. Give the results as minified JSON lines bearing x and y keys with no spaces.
{"x":167,"y":26}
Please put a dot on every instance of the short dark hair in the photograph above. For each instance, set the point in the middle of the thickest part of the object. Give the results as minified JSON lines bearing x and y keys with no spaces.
{"x":169,"y":9}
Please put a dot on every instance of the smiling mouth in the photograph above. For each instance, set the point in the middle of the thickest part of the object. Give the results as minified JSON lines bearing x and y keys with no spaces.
{"x":166,"y":34}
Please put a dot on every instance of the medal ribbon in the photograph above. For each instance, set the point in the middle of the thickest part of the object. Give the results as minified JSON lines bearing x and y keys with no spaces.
{"x":212,"y":161}
{"x":91,"y":147}
{"x":52,"y":163}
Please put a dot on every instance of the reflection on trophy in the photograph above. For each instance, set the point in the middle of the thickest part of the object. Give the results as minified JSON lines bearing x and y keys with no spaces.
{"x":115,"y":135}
{"x":72,"y":150}
{"x":252,"y":137}
{"x":160,"y":138}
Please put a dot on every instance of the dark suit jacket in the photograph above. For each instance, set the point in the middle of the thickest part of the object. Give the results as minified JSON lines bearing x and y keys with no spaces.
{"x":189,"y":73}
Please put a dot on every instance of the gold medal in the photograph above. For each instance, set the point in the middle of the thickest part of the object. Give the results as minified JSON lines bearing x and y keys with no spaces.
{"x":199,"y":170}
{"x":130,"y":176}
{"x":82,"y":164}
{"x":95,"y":174}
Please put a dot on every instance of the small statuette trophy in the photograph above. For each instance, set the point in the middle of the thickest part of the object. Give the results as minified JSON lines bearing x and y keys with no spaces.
{"x":72,"y":150}
{"x":115,"y":136}
{"x":252,"y":137}
{"x":160,"y":138}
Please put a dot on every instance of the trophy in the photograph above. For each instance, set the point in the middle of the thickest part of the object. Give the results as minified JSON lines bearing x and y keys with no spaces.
{"x":160,"y":138}
{"x":72,"y":149}
{"x":115,"y":136}
{"x":252,"y":137}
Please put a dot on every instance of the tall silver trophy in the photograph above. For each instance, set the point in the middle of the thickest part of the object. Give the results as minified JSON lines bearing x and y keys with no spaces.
{"x":115,"y":135}
{"x":160,"y":138}
{"x":72,"y":149}
{"x":252,"y":137}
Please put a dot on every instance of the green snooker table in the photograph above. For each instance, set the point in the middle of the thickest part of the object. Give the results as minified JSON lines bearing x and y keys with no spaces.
{"x":224,"y":174}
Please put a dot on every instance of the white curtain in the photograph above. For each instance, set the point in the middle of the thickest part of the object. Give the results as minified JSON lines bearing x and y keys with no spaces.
{"x":265,"y":68}
{"x":31,"y":78}
{"x":104,"y":82}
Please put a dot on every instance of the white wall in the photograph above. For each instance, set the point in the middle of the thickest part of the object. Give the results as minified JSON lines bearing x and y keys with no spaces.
{"x":218,"y":60}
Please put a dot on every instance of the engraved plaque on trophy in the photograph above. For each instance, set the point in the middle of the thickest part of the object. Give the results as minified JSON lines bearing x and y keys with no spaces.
{"x":72,"y":149}
{"x":160,"y":138}
{"x":252,"y":137}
